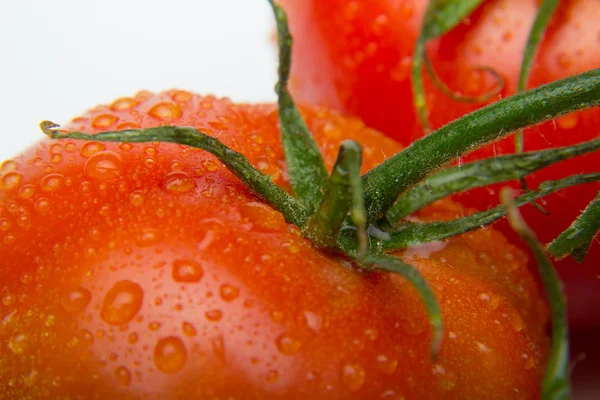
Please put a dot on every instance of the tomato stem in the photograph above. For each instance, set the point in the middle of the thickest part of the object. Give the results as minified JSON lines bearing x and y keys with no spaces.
{"x":306,"y":169}
{"x":481,"y":173}
{"x":578,"y":237}
{"x":255,"y":180}
{"x":386,"y":182}
{"x":409,"y":233}
{"x":556,"y":383}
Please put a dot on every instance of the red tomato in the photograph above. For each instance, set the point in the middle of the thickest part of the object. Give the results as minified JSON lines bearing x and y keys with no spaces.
{"x":149,"y":271}
{"x":356,"y":56}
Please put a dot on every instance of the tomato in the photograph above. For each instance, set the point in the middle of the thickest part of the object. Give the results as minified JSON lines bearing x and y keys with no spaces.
{"x":150,"y":271}
{"x":356,"y":56}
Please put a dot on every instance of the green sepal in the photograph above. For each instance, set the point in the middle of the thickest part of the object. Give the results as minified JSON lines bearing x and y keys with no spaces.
{"x":343,"y":194}
{"x":304,"y":162}
{"x":480,"y":173}
{"x":440,"y":17}
{"x":261,"y":184}
{"x":388,"y":263}
{"x":577,"y":238}
{"x":545,"y":12}
{"x":556,"y":382}
{"x":383,"y":184}
{"x":411,"y":233}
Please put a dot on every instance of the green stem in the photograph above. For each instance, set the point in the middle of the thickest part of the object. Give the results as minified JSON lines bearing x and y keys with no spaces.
{"x":258,"y":182}
{"x":410,"y":233}
{"x":305,"y":165}
{"x":545,"y":12}
{"x":386,"y":182}
{"x":578,"y":237}
{"x":343,"y":192}
{"x":479,"y":174}
{"x":556,"y":383}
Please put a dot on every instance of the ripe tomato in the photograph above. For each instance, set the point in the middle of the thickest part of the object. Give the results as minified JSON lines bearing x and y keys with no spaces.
{"x":150,"y":271}
{"x":356,"y":56}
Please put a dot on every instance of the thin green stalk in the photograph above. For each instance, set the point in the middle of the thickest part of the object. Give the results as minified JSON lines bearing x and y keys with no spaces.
{"x":577,"y":238}
{"x":410,"y":233}
{"x":255,"y":180}
{"x":305,"y":165}
{"x":479,"y":174}
{"x":556,"y":383}
{"x":545,"y":12}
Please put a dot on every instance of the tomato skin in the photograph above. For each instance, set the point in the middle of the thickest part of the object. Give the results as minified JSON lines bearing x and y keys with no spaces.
{"x":357,"y":58}
{"x":149,"y":271}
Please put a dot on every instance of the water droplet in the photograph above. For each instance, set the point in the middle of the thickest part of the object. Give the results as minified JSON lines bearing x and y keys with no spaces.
{"x":445,"y":377}
{"x":18,"y":343}
{"x":136,"y":198}
{"x":122,"y":375}
{"x":188,"y":329}
{"x":288,"y":345}
{"x":52,"y":183}
{"x":91,"y":148}
{"x":41,"y":205}
{"x":148,"y":237}
{"x":386,"y":365}
{"x":123,"y":103}
{"x":178,"y":182}
{"x":27,"y":191}
{"x":8,"y":166}
{"x":214,"y":315}
{"x":515,"y":320}
{"x":272,"y":376}
{"x":104,"y":121}
{"x":10,"y":181}
{"x":4,"y":224}
{"x":8,"y":299}
{"x":391,"y":395}
{"x":132,"y":338}
{"x":313,"y":320}
{"x":75,"y":300}
{"x":170,"y":355}
{"x":165,"y":111}
{"x":218,"y":349}
{"x":353,"y":376}
{"x":483,"y":349}
{"x":371,"y":333}
{"x":104,"y":165}
{"x":181,"y":96}
{"x":187,"y":271}
{"x":154,"y":326}
{"x":568,"y":121}
{"x":228,"y":292}
{"x":121,"y":303}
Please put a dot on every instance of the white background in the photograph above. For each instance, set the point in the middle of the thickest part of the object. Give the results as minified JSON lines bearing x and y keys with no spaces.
{"x":61,"y":57}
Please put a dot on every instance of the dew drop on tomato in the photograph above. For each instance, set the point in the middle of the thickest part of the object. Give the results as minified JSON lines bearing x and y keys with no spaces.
{"x":91,"y":148}
{"x":446,"y":378}
{"x":187,"y":271}
{"x":121,"y":303}
{"x":8,"y":166}
{"x":148,"y":237}
{"x":353,"y":376}
{"x":178,"y":182}
{"x":170,"y":355}
{"x":228,"y":292}
{"x":123,"y":103}
{"x":188,"y":329}
{"x":165,"y":111}
{"x":391,"y":394}
{"x":132,"y":338}
{"x":214,"y":315}
{"x":18,"y":343}
{"x":52,"y":183}
{"x":10,"y":181}
{"x":154,"y":326}
{"x":218,"y":349}
{"x":26,"y":191}
{"x":272,"y":376}
{"x":104,"y":165}
{"x":136,"y":198}
{"x":122,"y":375}
{"x":386,"y":365}
{"x":75,"y":300}
{"x":104,"y":121}
{"x":288,"y":345}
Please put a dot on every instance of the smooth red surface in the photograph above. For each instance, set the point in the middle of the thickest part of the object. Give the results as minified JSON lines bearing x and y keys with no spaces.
{"x":149,"y":271}
{"x":356,"y":56}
